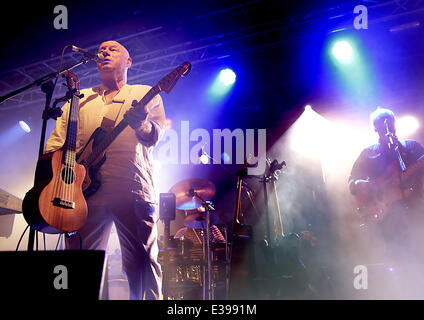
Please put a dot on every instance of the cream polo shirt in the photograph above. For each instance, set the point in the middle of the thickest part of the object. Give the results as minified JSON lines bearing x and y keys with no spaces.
{"x":128,"y":167}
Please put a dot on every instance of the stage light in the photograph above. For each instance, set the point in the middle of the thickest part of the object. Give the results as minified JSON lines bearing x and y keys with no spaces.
{"x":407,"y":125}
{"x":24,"y":126}
{"x":342,"y":50}
{"x":314,"y":136}
{"x":227,"y":76}
{"x":225,"y":157}
{"x":222,"y":84}
{"x":308,"y":133}
{"x":204,"y":159}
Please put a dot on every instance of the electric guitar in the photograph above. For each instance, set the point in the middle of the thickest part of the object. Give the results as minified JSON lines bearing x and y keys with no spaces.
{"x":392,"y":187}
{"x":93,"y":155}
{"x":56,"y":203}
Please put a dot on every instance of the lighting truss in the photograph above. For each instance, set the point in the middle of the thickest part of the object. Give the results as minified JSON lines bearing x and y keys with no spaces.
{"x":154,"y":53}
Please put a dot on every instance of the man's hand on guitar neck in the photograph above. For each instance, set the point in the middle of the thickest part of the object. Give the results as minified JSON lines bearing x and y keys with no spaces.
{"x":135,"y":117}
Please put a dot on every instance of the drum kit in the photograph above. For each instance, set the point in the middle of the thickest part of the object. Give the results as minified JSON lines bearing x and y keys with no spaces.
{"x":197,"y":255}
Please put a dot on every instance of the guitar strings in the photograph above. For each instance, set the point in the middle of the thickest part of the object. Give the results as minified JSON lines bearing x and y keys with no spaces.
{"x":74,"y":142}
{"x":70,"y":184}
{"x":67,"y":192}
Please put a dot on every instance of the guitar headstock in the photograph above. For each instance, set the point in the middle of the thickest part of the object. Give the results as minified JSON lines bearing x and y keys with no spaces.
{"x":168,"y":82}
{"x":72,"y":81}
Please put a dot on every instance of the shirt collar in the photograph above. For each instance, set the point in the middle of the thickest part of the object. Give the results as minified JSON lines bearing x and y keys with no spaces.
{"x":120,"y":96}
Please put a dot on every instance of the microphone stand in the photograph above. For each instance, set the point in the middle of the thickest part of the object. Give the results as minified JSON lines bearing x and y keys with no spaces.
{"x":394,"y":142}
{"x":42,"y":80}
{"x":47,"y":86}
{"x":209,"y":295}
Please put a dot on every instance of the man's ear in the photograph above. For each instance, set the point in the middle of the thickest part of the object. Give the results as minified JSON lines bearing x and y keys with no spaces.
{"x":129,"y":63}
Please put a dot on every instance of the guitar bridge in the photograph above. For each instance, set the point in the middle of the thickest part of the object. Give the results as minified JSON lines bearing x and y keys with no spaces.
{"x":63,"y":203}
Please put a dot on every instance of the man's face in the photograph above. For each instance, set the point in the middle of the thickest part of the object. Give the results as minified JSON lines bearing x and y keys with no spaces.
{"x":381,"y":129}
{"x":116,"y":57}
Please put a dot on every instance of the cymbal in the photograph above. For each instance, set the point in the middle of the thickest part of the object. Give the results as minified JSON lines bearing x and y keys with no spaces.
{"x":198,"y":221}
{"x":184,"y":192}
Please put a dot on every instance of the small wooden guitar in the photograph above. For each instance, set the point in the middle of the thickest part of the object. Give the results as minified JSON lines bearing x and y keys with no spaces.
{"x":93,"y":155}
{"x":56,"y":203}
{"x":392,"y":187}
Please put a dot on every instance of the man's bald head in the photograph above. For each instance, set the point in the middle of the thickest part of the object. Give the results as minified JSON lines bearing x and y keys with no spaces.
{"x":116,"y":57}
{"x":113,"y":43}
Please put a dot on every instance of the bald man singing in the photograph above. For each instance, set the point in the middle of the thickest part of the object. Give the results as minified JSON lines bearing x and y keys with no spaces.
{"x":126,"y":196}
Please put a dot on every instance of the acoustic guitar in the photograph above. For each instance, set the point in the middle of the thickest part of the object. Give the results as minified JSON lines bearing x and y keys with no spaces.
{"x":93,"y":155}
{"x":56,"y":203}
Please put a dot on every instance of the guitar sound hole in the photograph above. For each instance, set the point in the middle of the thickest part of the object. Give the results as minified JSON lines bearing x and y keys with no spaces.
{"x":68,"y":175}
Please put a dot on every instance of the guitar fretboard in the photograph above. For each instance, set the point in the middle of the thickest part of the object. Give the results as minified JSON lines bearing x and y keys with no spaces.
{"x":69,"y":155}
{"x":111,"y":136}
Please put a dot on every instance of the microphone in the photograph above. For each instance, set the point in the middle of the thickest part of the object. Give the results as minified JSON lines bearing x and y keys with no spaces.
{"x":90,"y":55}
{"x":389,"y":134}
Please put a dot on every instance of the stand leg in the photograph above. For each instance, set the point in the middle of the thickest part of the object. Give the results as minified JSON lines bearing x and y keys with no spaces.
{"x":208,"y":254}
{"x":203,"y":266}
{"x":165,"y":275}
{"x":31,"y":239}
{"x":47,"y":88}
{"x":227,"y":265}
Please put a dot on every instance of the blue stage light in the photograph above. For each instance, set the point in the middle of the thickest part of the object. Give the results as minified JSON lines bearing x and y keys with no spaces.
{"x":24,"y":126}
{"x":222,"y":84}
{"x":225,"y":157}
{"x":343,"y":51}
{"x":227,"y":76}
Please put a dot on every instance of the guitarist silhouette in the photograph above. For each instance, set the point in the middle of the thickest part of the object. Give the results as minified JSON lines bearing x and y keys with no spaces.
{"x":386,"y":182}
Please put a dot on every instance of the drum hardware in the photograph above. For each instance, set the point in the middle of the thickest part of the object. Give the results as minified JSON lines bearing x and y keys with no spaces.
{"x":167,"y":205}
{"x":193,"y":194}
{"x":186,"y":190}
{"x":207,"y":285}
{"x":198,"y":221}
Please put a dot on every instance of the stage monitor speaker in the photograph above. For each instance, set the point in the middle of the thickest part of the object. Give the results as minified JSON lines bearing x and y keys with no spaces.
{"x":53,"y":275}
{"x":167,"y":206}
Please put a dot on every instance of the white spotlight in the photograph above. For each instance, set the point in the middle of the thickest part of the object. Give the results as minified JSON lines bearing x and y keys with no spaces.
{"x":407,"y":125}
{"x":24,"y":126}
{"x":227,"y":76}
{"x":204,"y":159}
{"x":342,"y":51}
